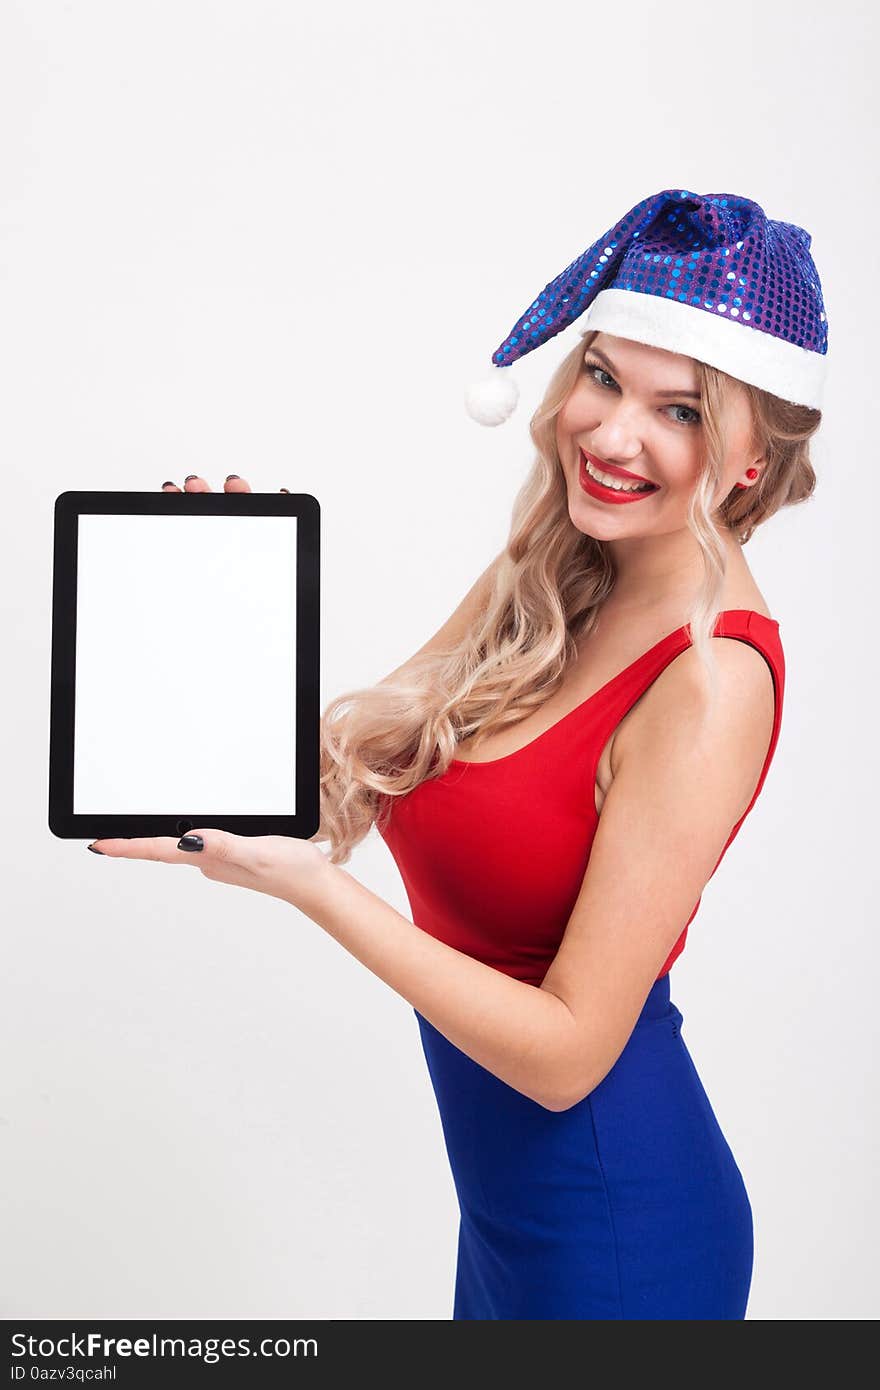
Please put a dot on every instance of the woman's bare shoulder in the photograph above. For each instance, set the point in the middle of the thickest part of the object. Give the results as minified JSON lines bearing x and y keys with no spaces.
{"x":733,"y":729}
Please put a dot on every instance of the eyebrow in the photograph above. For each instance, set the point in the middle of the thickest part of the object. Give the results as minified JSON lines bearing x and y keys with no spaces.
{"x":694,"y":395}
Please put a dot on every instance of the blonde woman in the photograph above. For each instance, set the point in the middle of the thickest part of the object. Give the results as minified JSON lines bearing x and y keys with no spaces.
{"x":559,"y":771}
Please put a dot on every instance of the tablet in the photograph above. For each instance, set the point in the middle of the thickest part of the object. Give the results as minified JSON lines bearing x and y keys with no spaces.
{"x":185,"y":664}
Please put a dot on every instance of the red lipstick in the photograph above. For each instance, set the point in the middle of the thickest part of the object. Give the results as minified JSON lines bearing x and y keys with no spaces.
{"x":600,"y":492}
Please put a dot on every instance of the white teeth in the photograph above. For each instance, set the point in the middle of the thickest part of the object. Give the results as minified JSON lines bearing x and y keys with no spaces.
{"x":617,"y":484}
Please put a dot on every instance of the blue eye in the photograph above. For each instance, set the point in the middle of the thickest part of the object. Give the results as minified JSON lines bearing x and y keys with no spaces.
{"x":592,"y":367}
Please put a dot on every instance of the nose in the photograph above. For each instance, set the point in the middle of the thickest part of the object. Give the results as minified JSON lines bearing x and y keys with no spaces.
{"x":616,"y":439}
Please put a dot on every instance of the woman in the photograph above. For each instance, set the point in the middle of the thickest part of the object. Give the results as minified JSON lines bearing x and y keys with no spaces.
{"x":560,"y":769}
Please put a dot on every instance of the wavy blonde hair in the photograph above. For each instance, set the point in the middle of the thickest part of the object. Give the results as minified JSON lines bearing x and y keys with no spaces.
{"x":382,"y":741}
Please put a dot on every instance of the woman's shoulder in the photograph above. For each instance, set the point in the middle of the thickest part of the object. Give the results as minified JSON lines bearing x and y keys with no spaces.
{"x":736,"y":721}
{"x":743,"y":595}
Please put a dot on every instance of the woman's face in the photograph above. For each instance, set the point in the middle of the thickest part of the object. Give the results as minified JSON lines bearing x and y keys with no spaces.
{"x":634,"y":410}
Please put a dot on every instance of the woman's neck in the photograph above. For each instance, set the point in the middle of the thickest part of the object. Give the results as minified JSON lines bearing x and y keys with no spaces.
{"x":666,"y":573}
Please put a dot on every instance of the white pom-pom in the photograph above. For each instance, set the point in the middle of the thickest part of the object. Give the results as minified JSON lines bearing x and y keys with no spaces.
{"x":492,"y":400}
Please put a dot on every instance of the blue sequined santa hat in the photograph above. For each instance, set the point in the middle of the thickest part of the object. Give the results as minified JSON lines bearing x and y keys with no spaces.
{"x":706,"y":275}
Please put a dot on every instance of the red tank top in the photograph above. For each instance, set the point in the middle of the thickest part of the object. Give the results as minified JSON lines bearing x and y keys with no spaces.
{"x":492,"y":854}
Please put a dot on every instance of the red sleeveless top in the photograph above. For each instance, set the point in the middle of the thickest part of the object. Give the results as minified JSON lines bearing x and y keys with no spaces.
{"x":492,"y":854}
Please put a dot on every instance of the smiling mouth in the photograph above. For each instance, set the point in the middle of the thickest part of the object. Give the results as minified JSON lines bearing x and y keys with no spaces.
{"x":623,"y":486}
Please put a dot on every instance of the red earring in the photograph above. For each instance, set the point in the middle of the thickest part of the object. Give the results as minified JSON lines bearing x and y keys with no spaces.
{"x":750,"y":473}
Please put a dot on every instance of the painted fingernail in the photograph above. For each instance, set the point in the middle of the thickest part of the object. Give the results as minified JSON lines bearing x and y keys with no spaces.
{"x":189,"y":477}
{"x":287,"y":490}
{"x":191,"y":842}
{"x":169,"y":484}
{"x":233,"y":476}
{"x":94,"y":851}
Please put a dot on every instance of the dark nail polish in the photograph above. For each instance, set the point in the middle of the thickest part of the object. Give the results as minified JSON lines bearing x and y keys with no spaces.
{"x":189,"y":477}
{"x":169,"y":484}
{"x":287,"y":490}
{"x":233,"y":477}
{"x":191,"y":842}
{"x":94,"y":851}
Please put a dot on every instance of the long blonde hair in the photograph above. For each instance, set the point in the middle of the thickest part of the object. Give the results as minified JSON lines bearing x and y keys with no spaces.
{"x":382,"y":741}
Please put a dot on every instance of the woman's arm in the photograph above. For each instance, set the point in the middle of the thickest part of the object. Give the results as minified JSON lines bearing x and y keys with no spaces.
{"x":681,"y":782}
{"x":516,"y":1031}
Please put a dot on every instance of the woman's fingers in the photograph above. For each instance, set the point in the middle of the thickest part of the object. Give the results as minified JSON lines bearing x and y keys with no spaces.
{"x":194,"y":483}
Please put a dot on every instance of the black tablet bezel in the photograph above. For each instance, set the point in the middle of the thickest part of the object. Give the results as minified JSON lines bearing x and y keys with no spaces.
{"x":69,"y":506}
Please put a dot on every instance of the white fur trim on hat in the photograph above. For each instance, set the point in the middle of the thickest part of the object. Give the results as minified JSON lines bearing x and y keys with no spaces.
{"x":793,"y":373}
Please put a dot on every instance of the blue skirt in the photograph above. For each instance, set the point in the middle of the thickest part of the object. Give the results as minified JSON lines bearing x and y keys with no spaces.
{"x":627,"y":1205}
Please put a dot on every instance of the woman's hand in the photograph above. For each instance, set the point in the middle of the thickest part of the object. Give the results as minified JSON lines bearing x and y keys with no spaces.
{"x":277,"y":865}
{"x":196,"y":484}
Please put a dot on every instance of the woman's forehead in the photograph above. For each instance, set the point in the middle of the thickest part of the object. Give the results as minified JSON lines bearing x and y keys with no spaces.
{"x":656,"y":367}
{"x":629,"y":350}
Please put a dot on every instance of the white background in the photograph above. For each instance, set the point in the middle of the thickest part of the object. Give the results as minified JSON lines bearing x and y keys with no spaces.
{"x":261,"y":239}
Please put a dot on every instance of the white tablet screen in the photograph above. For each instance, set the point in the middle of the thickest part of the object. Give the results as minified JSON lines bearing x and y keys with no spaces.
{"x":185,"y":664}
